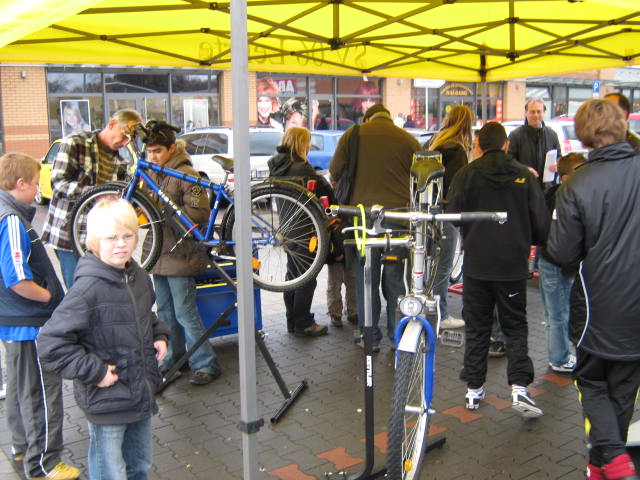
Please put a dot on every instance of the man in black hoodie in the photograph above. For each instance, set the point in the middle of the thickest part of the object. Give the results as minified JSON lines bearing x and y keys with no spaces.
{"x":496,"y":262}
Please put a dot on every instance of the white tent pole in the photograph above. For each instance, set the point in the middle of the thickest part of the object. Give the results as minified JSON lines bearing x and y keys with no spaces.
{"x":246,"y":341}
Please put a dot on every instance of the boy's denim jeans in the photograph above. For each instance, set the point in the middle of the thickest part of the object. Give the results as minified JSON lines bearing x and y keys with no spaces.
{"x":68,"y":262}
{"x":120,"y":452}
{"x":445,"y":262}
{"x":555,"y":290}
{"x":176,"y":301}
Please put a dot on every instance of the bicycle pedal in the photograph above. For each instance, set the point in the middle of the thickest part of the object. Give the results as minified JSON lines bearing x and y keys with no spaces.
{"x":452,"y":338}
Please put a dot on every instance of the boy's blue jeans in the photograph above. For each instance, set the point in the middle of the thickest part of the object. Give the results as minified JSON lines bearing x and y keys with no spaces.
{"x":445,"y":263}
{"x":120,"y":452}
{"x":68,"y":262}
{"x":555,"y":290}
{"x":176,"y":301}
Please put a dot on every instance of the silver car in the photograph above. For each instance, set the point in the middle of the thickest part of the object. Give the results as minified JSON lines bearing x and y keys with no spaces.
{"x":204,"y":143}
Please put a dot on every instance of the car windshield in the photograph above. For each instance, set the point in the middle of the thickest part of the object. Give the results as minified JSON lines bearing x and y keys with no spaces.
{"x":204,"y":143}
{"x":264,"y":143}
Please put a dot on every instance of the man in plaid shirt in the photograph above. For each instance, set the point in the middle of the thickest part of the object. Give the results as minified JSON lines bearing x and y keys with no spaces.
{"x":84,"y":160}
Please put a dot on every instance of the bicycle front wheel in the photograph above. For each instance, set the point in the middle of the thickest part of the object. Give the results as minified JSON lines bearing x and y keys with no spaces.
{"x":409,"y":420}
{"x":288,"y":235}
{"x":149,"y":222}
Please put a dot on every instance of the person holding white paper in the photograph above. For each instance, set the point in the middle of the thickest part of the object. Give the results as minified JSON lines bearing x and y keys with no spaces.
{"x":530,"y":143}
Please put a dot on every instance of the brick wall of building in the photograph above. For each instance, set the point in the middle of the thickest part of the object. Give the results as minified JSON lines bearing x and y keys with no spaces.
{"x":396,"y":95}
{"x":226,"y":107}
{"x":23,"y":95}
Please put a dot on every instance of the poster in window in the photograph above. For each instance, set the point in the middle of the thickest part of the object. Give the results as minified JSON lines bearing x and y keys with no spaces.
{"x":74,"y":116}
{"x":196,"y":113}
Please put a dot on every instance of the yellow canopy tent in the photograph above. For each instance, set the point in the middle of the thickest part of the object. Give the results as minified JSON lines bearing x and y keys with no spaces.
{"x":465,"y":40}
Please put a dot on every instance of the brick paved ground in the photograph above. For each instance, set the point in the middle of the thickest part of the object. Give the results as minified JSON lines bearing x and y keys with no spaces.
{"x":195,"y":434}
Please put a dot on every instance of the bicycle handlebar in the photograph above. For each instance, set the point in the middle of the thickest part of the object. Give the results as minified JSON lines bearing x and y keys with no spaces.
{"x":377,"y":212}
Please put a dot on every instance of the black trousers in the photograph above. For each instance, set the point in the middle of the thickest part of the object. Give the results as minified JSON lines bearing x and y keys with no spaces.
{"x":478,"y":301}
{"x":298,"y":301}
{"x":33,"y":409}
{"x":608,"y":390}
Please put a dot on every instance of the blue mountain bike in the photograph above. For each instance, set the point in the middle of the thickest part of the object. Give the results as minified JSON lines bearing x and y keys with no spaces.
{"x":287,"y":223}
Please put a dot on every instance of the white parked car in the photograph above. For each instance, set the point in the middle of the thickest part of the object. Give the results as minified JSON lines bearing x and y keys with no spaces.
{"x":564,"y":129}
{"x":204,"y":143}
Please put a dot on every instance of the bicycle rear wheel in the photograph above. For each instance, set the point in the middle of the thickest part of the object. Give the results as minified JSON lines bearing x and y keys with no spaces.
{"x":149,"y":222}
{"x":288,"y":233}
{"x":409,"y":419}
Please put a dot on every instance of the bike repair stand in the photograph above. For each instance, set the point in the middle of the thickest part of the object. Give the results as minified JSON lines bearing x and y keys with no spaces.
{"x":290,"y":395}
{"x":367,"y":333}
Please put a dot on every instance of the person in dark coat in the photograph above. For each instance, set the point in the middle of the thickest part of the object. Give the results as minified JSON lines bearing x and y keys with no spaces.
{"x":530,"y":143}
{"x":105,"y":336}
{"x":291,"y":161}
{"x":596,"y":231}
{"x":496,"y":262}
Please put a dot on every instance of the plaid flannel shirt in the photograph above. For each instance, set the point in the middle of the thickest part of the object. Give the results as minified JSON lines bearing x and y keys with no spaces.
{"x":75,"y":170}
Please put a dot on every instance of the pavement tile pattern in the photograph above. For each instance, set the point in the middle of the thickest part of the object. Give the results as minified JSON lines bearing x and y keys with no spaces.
{"x":195,"y":434}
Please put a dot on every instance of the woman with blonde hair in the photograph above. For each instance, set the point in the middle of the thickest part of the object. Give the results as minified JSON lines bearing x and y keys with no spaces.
{"x":454,"y":142}
{"x":291,"y":161}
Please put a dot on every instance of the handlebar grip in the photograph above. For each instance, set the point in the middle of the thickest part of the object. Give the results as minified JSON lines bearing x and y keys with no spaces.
{"x":500,"y":217}
{"x":347,"y":210}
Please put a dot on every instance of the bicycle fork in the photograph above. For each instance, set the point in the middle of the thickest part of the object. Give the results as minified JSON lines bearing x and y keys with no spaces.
{"x":407,"y":339}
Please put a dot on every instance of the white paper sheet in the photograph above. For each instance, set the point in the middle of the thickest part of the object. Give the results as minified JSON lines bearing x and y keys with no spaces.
{"x":549,"y":160}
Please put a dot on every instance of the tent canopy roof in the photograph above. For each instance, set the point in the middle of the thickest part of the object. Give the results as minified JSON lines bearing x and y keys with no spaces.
{"x":450,"y":39}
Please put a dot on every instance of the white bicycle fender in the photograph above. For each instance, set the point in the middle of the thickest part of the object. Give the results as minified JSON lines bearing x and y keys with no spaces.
{"x":410,"y":337}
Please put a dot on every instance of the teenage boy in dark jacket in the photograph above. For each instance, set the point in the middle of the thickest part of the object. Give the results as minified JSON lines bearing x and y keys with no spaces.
{"x":29,"y":292}
{"x":105,"y":336}
{"x":596,"y":231}
{"x":495,"y":262}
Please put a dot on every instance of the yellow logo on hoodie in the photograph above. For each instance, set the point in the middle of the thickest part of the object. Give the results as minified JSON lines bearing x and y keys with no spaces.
{"x":520,"y":180}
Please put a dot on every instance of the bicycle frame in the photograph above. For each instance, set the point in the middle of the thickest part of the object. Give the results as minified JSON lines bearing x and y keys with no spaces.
{"x":219,"y":190}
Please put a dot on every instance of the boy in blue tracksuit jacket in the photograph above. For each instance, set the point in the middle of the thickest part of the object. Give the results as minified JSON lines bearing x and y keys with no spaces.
{"x":29,"y":292}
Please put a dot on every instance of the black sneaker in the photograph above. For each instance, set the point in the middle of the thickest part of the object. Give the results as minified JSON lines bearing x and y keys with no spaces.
{"x":524,"y":404}
{"x":497,"y":349}
{"x":203,"y":378}
{"x":336,"y":321}
{"x":352,"y":319}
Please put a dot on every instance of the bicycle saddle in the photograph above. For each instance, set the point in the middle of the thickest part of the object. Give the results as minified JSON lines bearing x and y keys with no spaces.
{"x":426,"y":168}
{"x":224,"y":162}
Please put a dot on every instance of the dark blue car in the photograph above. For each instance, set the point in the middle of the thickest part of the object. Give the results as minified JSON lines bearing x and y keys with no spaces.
{"x":323,"y":144}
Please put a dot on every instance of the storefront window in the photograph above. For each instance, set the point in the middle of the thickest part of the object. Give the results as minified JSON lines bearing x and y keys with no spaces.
{"x":135,"y":83}
{"x":195,"y":99}
{"x":577,"y":97}
{"x":282,"y":101}
{"x":355,"y":96}
{"x":90,"y":106}
{"x":560,"y":106}
{"x":65,"y":82}
{"x":194,"y":83}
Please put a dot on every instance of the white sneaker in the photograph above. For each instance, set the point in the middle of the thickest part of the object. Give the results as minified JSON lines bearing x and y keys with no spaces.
{"x":473,"y":397}
{"x":3,"y":391}
{"x":524,"y":404}
{"x":566,"y":367}
{"x":451,"y":322}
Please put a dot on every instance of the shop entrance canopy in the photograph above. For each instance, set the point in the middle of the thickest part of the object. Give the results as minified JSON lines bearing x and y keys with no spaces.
{"x":464,"y":40}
